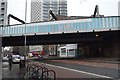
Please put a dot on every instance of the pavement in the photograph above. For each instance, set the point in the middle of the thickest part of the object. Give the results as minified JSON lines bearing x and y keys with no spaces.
{"x":17,"y":73}
{"x":14,"y":73}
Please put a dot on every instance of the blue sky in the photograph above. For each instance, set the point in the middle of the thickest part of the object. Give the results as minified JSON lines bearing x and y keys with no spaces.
{"x":75,"y":8}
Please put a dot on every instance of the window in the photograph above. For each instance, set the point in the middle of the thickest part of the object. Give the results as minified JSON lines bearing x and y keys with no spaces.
{"x":2,"y":14}
{"x":63,"y":51}
{"x":71,"y":52}
{"x":2,"y":19}
{"x":2,"y":3}
{"x":2,"y":8}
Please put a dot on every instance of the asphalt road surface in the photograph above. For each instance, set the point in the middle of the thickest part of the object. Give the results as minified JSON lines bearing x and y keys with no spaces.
{"x":69,"y":71}
{"x":64,"y":70}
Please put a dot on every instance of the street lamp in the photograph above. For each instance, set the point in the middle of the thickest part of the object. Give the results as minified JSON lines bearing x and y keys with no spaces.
{"x":23,"y":63}
{"x":25,"y":22}
{"x":25,"y":27}
{"x":1,"y":35}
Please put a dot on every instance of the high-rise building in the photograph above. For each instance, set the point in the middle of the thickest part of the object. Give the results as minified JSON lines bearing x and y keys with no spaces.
{"x":40,"y":12}
{"x":40,"y":9}
{"x":3,"y":12}
{"x":119,"y":8}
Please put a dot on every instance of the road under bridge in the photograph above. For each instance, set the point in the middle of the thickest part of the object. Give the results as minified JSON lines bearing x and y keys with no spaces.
{"x":104,"y":43}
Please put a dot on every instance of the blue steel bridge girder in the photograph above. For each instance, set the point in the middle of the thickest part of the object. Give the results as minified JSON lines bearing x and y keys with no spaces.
{"x":64,"y":26}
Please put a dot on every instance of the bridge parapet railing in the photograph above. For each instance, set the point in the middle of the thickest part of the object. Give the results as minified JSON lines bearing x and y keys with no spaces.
{"x":66,"y":26}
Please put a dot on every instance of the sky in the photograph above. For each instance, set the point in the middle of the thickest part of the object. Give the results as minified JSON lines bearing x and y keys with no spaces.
{"x":75,"y":8}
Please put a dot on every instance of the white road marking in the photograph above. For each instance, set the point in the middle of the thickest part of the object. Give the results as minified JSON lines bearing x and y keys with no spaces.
{"x":80,"y":71}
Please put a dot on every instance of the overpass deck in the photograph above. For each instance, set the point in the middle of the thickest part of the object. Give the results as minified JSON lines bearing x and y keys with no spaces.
{"x":63,"y":26}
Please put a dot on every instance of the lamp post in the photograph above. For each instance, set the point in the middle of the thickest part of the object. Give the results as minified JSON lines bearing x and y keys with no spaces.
{"x":23,"y":61}
{"x":1,"y":35}
{"x":25,"y":28}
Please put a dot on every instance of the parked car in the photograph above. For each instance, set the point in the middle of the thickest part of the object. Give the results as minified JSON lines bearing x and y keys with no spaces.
{"x":15,"y":58}
{"x":40,"y":56}
{"x":30,"y":54}
{"x":5,"y":58}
